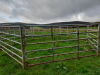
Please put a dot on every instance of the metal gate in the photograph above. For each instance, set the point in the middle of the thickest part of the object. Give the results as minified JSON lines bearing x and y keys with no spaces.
{"x":34,"y":44}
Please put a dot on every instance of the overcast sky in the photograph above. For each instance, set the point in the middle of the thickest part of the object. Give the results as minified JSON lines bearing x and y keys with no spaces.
{"x":47,"y":11}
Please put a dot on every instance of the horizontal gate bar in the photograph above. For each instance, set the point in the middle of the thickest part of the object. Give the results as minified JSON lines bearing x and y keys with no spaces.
{"x":13,"y":57}
{"x":92,"y":43}
{"x":10,"y":34}
{"x":59,"y":48}
{"x":11,"y":46}
{"x":61,"y":60}
{"x":94,"y":40}
{"x":58,"y":34}
{"x":60,"y":41}
{"x":10,"y":40}
{"x":11,"y":52}
{"x":93,"y":34}
{"x":60,"y":54}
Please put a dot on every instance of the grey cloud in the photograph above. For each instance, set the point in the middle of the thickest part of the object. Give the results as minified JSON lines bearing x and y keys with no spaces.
{"x":54,"y":9}
{"x":44,"y":11}
{"x":3,"y":20}
{"x":93,"y":12}
{"x":5,"y":8}
{"x":6,"y":1}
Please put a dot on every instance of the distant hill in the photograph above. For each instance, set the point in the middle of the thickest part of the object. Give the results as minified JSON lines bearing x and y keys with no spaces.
{"x":71,"y":22}
{"x":56,"y":23}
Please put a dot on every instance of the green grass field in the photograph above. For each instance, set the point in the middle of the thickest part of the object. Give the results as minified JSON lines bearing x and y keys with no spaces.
{"x":83,"y":66}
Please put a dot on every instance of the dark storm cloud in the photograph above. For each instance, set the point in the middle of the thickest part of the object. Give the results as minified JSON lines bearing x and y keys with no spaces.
{"x":44,"y":11}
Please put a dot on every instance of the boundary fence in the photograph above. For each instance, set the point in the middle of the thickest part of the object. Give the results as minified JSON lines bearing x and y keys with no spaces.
{"x":17,"y":38}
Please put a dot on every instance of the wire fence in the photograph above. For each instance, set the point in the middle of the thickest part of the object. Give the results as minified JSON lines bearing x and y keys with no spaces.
{"x":31,"y":44}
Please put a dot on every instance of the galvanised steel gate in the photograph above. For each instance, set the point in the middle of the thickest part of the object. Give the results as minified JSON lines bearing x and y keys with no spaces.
{"x":34,"y":44}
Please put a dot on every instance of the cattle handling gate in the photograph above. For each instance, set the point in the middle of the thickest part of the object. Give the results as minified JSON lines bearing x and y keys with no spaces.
{"x":34,"y":44}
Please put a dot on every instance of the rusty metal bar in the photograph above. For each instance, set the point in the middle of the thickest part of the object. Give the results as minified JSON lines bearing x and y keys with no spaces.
{"x":58,"y":37}
{"x":51,"y":42}
{"x":61,"y":41}
{"x":61,"y":54}
{"x":61,"y":60}
{"x":58,"y":48}
{"x":59,"y":34}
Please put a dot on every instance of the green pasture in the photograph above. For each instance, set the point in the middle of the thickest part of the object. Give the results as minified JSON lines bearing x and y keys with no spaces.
{"x":83,"y":66}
